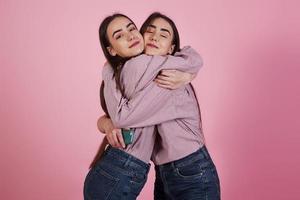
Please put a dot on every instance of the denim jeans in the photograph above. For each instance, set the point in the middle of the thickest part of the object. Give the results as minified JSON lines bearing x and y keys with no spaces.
{"x":116,"y":176}
{"x":193,"y":177}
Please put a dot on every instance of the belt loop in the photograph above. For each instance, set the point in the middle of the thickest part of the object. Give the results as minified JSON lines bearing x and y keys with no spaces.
{"x":205,"y":152}
{"x":106,"y":149}
{"x":148,"y":168}
{"x":173,"y":165}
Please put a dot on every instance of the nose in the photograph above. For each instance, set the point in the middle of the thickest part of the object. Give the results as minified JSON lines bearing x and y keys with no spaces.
{"x":153,"y":37}
{"x":130,"y":36}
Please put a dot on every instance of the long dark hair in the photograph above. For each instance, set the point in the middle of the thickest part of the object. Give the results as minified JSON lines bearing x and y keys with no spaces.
{"x":156,"y":15}
{"x":116,"y":62}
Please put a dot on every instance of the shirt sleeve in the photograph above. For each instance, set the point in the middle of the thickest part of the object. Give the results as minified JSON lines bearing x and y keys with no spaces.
{"x":138,"y":72}
{"x":145,"y":103}
{"x":153,"y":105}
{"x":111,"y":95}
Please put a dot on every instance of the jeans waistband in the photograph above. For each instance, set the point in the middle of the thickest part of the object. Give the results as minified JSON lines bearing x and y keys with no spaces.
{"x":121,"y":158}
{"x":200,"y":154}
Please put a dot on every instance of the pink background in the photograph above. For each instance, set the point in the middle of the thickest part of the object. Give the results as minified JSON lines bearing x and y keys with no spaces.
{"x":249,"y":92}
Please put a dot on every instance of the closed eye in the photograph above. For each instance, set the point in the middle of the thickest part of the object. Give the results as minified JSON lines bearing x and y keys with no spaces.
{"x":119,"y":36}
{"x":132,"y":28}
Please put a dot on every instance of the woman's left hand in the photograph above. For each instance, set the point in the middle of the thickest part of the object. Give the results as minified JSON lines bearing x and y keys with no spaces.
{"x":113,"y":135}
{"x":173,"y":79}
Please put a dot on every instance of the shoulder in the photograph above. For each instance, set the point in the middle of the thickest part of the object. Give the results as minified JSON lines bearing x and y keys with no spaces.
{"x":136,"y":64}
{"x":107,"y":71}
{"x":140,"y":59}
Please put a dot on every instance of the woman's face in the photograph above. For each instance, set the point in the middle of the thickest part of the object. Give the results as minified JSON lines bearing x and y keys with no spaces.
{"x":158,"y":38}
{"x":125,"y":40}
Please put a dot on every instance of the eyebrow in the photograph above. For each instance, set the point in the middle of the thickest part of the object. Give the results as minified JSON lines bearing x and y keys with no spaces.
{"x":131,"y":23}
{"x":162,"y":29}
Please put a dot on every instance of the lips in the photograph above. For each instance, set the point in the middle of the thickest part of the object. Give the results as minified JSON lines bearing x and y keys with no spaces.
{"x":152,"y":45}
{"x":134,"y":44}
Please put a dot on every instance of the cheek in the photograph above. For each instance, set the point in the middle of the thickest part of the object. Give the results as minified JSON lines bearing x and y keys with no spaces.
{"x":116,"y":44}
{"x":140,"y":36}
{"x":121,"y":48}
{"x":146,"y":38}
{"x":167,"y":43}
{"x":165,"y":46}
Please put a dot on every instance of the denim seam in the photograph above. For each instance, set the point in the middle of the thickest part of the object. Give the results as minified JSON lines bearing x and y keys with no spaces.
{"x":165,"y":183}
{"x":195,"y":176}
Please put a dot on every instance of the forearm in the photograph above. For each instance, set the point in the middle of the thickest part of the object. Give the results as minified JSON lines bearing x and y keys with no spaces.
{"x":153,"y":105}
{"x":144,"y":69}
{"x":187,"y":60}
{"x":173,"y":79}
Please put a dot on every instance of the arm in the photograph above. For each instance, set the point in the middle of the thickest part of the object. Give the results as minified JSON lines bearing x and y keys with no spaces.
{"x":173,"y":79}
{"x":113,"y":135}
{"x":143,"y":69}
{"x":103,"y":124}
{"x":187,"y":60}
{"x":153,"y":105}
{"x":147,"y":104}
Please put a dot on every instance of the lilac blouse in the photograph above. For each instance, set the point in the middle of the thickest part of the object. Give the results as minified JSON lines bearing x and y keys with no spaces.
{"x":175,"y":112}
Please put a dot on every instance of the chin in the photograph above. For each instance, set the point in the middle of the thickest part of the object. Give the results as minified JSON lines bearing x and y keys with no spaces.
{"x":136,"y":52}
{"x":151,"y":52}
{"x":139,"y":51}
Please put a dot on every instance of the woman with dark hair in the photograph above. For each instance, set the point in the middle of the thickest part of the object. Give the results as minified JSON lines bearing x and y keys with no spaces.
{"x":121,"y":173}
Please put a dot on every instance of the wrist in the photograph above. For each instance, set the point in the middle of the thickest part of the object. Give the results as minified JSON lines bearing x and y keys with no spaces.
{"x":187,"y":78}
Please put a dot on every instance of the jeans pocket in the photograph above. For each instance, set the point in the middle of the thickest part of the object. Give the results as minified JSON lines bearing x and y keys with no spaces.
{"x":99,"y":184}
{"x":137,"y":182}
{"x":138,"y":178}
{"x":190,"y":171}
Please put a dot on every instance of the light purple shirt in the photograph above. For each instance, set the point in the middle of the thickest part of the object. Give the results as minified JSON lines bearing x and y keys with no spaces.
{"x":175,"y":112}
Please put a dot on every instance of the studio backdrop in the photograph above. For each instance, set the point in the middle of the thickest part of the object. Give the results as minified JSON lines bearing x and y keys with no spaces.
{"x":248,"y":90}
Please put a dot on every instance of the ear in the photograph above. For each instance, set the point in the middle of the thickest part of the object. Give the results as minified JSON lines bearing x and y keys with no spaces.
{"x":111,"y":51}
{"x":171,"y":49}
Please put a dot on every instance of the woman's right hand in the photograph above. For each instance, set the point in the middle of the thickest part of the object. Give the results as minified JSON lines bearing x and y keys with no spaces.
{"x":113,"y":135}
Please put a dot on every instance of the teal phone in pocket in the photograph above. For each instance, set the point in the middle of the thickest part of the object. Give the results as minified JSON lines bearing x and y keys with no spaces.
{"x":127,"y":135}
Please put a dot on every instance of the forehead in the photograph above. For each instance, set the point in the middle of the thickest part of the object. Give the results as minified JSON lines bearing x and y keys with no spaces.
{"x":117,"y":23}
{"x":162,"y":23}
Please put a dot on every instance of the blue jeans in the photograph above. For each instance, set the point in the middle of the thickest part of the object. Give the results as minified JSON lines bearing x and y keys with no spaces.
{"x":117,"y":176}
{"x":193,"y":177}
